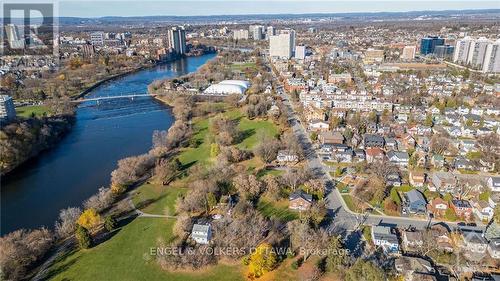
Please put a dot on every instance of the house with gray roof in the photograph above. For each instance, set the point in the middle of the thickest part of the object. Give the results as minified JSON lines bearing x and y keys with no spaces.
{"x":415,"y":202}
{"x":399,"y":158}
{"x":201,"y":233}
{"x":382,"y":236}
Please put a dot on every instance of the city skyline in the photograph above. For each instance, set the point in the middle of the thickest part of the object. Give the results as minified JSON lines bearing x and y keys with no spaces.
{"x":221,"y":7}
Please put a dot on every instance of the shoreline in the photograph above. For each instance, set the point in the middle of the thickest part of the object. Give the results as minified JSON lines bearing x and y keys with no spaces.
{"x":71,"y":119}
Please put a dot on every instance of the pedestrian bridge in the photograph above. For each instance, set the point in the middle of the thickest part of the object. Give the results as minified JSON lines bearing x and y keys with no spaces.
{"x":132,"y":96}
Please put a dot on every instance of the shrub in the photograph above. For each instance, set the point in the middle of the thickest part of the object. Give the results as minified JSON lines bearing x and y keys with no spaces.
{"x":109,"y":223}
{"x":83,"y":237}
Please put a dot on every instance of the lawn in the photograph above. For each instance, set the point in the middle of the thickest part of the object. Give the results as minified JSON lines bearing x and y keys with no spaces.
{"x":126,"y":257}
{"x":201,"y":153}
{"x":157,"y":199}
{"x":351,"y":203}
{"x":242,"y":66}
{"x":272,"y":172}
{"x":251,"y":130}
{"x":278,"y":210}
{"x":29,"y":111}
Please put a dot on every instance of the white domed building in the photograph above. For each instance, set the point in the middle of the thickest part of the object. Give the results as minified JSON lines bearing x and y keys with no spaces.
{"x":228,"y":87}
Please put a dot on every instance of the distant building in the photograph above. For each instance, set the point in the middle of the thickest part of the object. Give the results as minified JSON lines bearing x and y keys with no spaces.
{"x":300,"y":52}
{"x":97,"y":38}
{"x":408,"y":53}
{"x":241,"y":34}
{"x":444,"y":51}
{"x":270,"y":31}
{"x":201,"y":233}
{"x":227,"y":87}
{"x":462,"y":49}
{"x":176,"y":38}
{"x":7,"y":109}
{"x":373,"y":56}
{"x":14,"y":37}
{"x":428,"y":44}
{"x":492,"y":58}
{"x":482,"y":54}
{"x":282,"y":45}
{"x":477,"y":52}
{"x":257,"y":32}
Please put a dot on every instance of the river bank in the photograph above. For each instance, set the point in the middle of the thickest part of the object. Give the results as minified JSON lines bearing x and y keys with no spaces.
{"x":74,"y":169}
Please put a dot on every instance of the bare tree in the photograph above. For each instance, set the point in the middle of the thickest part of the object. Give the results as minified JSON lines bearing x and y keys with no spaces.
{"x":66,"y":224}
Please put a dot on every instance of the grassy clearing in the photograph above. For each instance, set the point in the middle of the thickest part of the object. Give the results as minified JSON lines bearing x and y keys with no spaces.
{"x":265,"y":172}
{"x":277,"y":210}
{"x":33,"y":110}
{"x":201,"y":153}
{"x":242,"y":66}
{"x":157,"y":199}
{"x":351,"y":203}
{"x":126,"y":257}
{"x":250,"y":129}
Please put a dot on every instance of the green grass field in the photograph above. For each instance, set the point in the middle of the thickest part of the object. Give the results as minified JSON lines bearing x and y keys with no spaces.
{"x":277,"y":210}
{"x":126,"y":256}
{"x":157,"y":199}
{"x":251,"y":130}
{"x":28,"y":111}
{"x":242,"y":66}
{"x":350,"y":203}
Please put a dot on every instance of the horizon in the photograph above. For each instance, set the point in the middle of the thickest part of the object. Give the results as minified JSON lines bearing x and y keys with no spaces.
{"x":82,"y":9}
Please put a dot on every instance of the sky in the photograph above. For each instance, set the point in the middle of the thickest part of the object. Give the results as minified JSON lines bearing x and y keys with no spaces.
{"x":100,"y":8}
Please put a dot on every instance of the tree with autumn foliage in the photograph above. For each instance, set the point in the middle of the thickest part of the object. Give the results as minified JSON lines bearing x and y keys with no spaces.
{"x":262,"y":260}
{"x":89,"y":219}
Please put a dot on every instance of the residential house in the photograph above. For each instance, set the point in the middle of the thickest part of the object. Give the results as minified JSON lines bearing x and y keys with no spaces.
{"x":415,"y":202}
{"x":494,"y":184}
{"x":374,"y":154}
{"x":300,"y":200}
{"x":391,"y":144}
{"x":201,"y":233}
{"x":437,"y":207}
{"x":494,"y":248}
{"x":415,"y":269}
{"x":474,"y":242}
{"x":318,"y":125}
{"x":441,"y":235}
{"x":359,"y":155}
{"x":331,"y":137}
{"x":313,"y":113}
{"x":382,"y":236}
{"x":462,"y":208}
{"x":399,"y":158}
{"x":437,"y":161}
{"x":393,"y":179}
{"x":443,"y":182}
{"x":371,"y":140}
{"x":412,"y":240}
{"x":462,"y":163}
{"x":483,"y":210}
{"x":287,"y":156}
{"x":417,"y":178}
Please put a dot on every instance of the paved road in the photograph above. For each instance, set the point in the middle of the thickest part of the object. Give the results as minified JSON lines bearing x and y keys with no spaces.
{"x":343,"y":218}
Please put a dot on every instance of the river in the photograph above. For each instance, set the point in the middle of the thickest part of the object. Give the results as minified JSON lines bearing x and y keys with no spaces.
{"x":69,"y":173}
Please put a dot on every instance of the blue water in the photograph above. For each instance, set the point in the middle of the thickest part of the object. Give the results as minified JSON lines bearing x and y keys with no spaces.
{"x":69,"y":173}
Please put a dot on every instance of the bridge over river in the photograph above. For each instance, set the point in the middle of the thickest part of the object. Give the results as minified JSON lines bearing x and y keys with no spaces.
{"x":131,"y":96}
